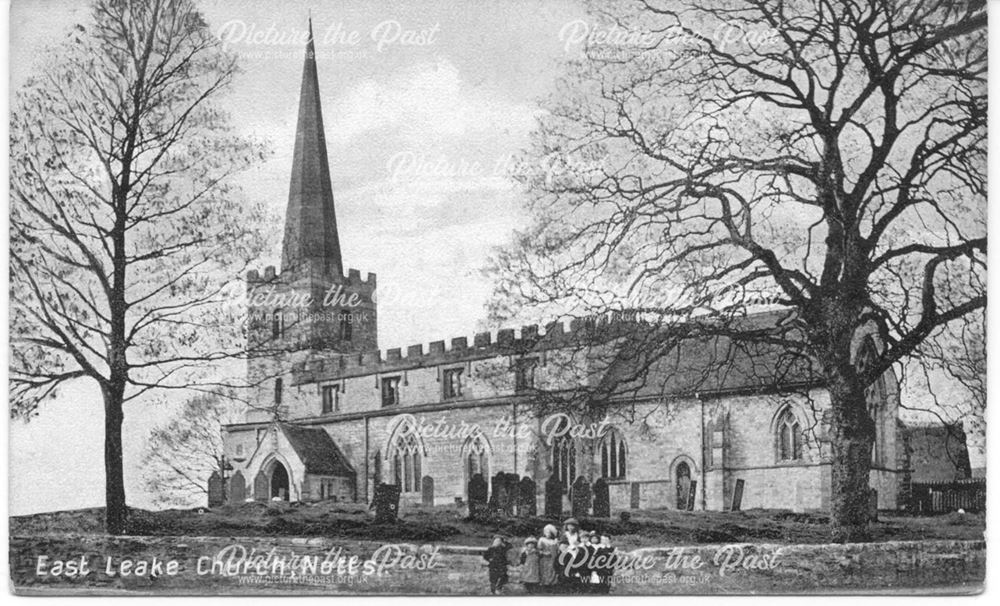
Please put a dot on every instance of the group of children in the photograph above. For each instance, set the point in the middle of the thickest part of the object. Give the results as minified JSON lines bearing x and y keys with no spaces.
{"x":555,"y":562}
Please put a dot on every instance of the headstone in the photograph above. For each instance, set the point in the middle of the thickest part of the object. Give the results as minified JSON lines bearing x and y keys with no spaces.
{"x":477,"y":497}
{"x":216,"y":490}
{"x":602,"y":499}
{"x":737,"y":501}
{"x":636,"y":494}
{"x":692,"y":491}
{"x":527,"y":505}
{"x":512,"y":486}
{"x":237,"y":488}
{"x":427,"y":491}
{"x":498,"y":494}
{"x":386,"y":503}
{"x":580,"y":497}
{"x":260,"y":488}
{"x":553,"y":497}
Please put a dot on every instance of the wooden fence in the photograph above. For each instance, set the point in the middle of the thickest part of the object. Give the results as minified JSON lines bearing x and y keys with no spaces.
{"x":941,"y":497}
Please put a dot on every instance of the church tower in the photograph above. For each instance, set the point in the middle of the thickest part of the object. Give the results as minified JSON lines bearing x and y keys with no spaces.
{"x":310,"y":304}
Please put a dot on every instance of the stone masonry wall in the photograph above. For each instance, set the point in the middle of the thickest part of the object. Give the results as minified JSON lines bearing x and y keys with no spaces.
{"x":904,"y":567}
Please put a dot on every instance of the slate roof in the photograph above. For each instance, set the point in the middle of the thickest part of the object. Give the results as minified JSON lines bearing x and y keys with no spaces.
{"x":317,"y":451}
{"x":710,"y":364}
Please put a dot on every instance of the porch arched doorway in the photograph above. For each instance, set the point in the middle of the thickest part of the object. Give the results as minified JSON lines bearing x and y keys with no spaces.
{"x":279,"y":481}
{"x":683,"y":476}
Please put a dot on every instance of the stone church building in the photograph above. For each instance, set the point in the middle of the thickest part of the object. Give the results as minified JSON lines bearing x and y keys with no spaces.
{"x":333,"y":415}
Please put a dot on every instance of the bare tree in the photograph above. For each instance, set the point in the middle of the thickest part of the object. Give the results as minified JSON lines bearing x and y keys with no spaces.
{"x":950,"y":369}
{"x":182,"y":454}
{"x":828,"y":157}
{"x":127,"y":232}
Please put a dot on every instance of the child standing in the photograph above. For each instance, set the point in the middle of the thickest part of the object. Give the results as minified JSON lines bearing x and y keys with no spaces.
{"x":530,"y":565}
{"x":496,"y":557}
{"x":606,"y":550}
{"x":548,"y":550}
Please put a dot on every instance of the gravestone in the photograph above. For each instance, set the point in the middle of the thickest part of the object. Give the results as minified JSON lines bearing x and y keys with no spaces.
{"x":477,"y":497}
{"x":636,"y":494}
{"x":553,"y":497}
{"x":498,"y":493}
{"x":512,"y":485}
{"x":260,"y":488}
{"x":527,"y":505}
{"x":580,"y":498}
{"x":237,"y":488}
{"x":602,"y":499}
{"x":737,"y":501}
{"x":692,"y":490}
{"x":427,"y":491}
{"x":216,"y":490}
{"x":386,"y":503}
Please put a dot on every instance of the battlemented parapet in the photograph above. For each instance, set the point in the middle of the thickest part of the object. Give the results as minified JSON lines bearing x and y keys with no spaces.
{"x":504,"y":342}
{"x":305,"y":309}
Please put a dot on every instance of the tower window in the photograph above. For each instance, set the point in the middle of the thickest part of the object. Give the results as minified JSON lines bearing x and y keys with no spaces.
{"x":330,"y":396}
{"x":346,"y":327}
{"x":278,"y":385}
{"x":390,"y":391}
{"x":452,"y":380}
{"x":524,"y":374}
{"x":277,"y":328}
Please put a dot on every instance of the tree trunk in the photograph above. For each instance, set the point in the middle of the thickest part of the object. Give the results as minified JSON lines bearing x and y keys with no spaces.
{"x":115,"y":512}
{"x":853,"y":434}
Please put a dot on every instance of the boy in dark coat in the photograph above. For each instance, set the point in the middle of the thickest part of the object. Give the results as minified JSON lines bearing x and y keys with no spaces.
{"x":496,"y":557}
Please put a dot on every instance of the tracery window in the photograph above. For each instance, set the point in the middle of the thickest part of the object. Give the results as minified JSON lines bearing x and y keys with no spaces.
{"x":875,"y":398}
{"x":789,"y":437}
{"x":406,"y":462}
{"x":613,"y":457}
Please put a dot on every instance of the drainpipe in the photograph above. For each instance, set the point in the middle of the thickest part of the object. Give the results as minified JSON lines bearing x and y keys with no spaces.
{"x":364,"y":488}
{"x":514,"y":423}
{"x":704,"y":472}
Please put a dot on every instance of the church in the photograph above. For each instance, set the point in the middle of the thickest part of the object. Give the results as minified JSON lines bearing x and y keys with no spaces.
{"x":332,"y":415}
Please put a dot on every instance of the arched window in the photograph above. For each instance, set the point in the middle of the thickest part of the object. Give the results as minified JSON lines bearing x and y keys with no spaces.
{"x":477,"y":458}
{"x":875,"y":398}
{"x":278,"y":388}
{"x":406,"y":459}
{"x":789,"y":436}
{"x":613,"y":458}
{"x":564,"y":460}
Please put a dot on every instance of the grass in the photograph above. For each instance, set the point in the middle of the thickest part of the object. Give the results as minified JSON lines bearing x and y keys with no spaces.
{"x":444,"y":525}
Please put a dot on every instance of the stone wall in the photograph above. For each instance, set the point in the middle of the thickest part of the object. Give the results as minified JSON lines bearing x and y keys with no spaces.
{"x":904,"y":567}
{"x":720,"y":438}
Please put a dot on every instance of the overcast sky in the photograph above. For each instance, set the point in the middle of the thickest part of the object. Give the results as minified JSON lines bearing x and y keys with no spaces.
{"x":424,"y":104}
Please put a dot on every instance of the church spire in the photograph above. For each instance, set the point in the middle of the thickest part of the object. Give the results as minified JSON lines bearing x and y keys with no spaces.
{"x":310,"y":221}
